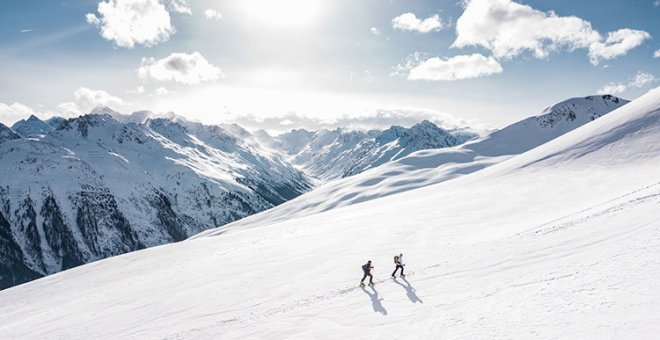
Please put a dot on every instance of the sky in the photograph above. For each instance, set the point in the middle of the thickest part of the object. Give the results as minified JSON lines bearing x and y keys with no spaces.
{"x":282,"y":64}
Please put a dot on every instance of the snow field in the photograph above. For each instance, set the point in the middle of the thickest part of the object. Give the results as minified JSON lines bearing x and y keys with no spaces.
{"x":560,"y":242}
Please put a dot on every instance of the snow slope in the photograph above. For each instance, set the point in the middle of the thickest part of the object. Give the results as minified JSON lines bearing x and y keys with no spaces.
{"x":7,"y":134}
{"x":75,"y":191}
{"x":432,"y":166}
{"x":562,"y":241}
{"x":96,"y":187}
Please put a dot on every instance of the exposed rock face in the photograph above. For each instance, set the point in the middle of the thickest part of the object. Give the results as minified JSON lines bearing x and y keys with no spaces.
{"x":95,"y":187}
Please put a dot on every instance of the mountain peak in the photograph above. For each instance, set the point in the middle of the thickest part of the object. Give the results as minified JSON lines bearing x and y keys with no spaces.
{"x":32,"y":126}
{"x":607,"y":97}
{"x":84,"y":124}
{"x":581,"y":109}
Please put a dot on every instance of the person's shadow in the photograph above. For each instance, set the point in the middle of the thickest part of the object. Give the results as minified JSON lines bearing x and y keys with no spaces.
{"x":410,"y":291}
{"x":375,"y":300}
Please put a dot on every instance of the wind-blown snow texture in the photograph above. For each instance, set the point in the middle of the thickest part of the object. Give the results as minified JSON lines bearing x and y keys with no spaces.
{"x":561,"y":241}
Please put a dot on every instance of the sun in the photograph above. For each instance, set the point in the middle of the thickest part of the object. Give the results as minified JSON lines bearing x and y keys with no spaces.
{"x":282,"y":13}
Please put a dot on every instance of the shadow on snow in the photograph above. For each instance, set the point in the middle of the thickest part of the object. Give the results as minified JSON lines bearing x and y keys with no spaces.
{"x":375,"y":300}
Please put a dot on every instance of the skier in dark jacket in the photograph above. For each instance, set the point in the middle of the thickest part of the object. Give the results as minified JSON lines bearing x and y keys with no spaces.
{"x":366,"y":268}
{"x":398,"y":261}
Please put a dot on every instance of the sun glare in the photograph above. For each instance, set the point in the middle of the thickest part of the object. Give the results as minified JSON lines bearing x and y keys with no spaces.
{"x":282,"y":13}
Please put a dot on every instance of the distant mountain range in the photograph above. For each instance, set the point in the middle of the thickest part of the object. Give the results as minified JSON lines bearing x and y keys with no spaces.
{"x":332,"y":154}
{"x":431,"y":166}
{"x":557,"y":240}
{"x":103,"y":184}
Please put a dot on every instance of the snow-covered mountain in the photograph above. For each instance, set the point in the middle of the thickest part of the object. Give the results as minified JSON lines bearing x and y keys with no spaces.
{"x":32,"y":126}
{"x":96,"y":187}
{"x":104,"y":184}
{"x":433,"y":166}
{"x":331,"y":154}
{"x":55,"y":122}
{"x":7,"y":134}
{"x":561,"y":241}
{"x":107,"y":183}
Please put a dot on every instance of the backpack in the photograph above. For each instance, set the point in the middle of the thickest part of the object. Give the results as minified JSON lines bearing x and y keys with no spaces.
{"x":365,"y":267}
{"x":396,"y":259}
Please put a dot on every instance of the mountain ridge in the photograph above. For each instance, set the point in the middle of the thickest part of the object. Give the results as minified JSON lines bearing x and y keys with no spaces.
{"x":96,"y":187}
{"x":184,"y":177}
{"x":561,"y":240}
{"x":427,"y":167}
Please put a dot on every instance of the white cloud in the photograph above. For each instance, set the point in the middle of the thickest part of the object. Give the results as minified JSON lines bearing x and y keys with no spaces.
{"x":131,"y":22}
{"x":612,"y":88}
{"x":656,"y":54}
{"x":92,"y":19}
{"x":69,"y":109}
{"x":10,"y":114}
{"x":410,"y":22}
{"x":180,"y":67}
{"x":161,"y":91}
{"x":376,"y":119}
{"x":656,"y":3}
{"x":212,"y":14}
{"x":375,"y":31}
{"x":180,"y":6}
{"x":618,"y":43}
{"x":411,"y":62}
{"x":87,"y":99}
{"x":137,"y":90}
{"x":455,"y":68}
{"x":507,"y":29}
{"x":640,"y":80}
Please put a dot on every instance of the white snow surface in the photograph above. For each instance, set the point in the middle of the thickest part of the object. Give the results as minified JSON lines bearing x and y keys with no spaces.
{"x":562,"y":241}
{"x":432,"y":166}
